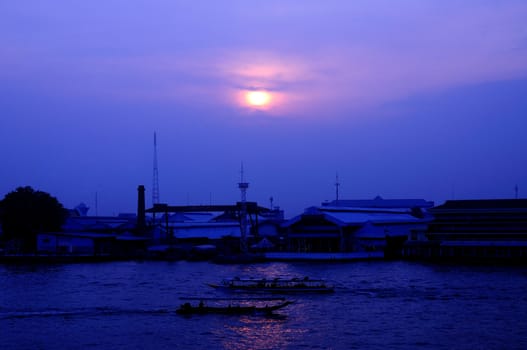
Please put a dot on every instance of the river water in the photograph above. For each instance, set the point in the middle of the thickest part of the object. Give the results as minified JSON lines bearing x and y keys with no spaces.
{"x":377,"y":305}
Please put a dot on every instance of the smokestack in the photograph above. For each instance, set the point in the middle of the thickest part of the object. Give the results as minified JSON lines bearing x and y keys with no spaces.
{"x":141,"y":216}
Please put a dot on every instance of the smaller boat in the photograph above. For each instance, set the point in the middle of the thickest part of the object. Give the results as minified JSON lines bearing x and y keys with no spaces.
{"x":230,"y":309}
{"x":275,"y":285}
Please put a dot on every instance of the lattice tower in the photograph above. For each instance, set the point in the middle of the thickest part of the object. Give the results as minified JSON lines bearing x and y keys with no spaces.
{"x":155,"y":180}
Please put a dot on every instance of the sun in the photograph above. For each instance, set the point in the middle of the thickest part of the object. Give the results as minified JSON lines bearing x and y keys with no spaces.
{"x":258,"y":98}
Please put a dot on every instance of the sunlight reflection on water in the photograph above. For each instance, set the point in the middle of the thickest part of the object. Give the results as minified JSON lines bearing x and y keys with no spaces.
{"x":259,"y":333}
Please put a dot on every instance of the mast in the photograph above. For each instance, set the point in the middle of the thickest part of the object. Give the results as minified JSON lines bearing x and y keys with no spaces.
{"x":243,"y":186}
{"x":155,"y":180}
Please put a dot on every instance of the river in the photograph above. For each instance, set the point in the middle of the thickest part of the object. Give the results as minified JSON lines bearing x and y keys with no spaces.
{"x":377,"y":305}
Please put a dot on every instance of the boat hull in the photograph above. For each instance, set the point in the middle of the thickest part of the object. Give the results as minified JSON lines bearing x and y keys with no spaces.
{"x":325,"y":257}
{"x":188,"y":309}
{"x":276,"y":285}
{"x":273,"y":290}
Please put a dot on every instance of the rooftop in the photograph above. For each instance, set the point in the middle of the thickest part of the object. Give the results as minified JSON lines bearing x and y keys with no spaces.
{"x":379,"y":202}
{"x":475,"y":204}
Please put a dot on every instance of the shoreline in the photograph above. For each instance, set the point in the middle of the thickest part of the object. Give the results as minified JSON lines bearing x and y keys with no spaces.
{"x":281,"y":257}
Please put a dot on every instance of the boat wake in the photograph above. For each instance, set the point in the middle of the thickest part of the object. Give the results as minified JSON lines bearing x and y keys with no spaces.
{"x":6,"y":314}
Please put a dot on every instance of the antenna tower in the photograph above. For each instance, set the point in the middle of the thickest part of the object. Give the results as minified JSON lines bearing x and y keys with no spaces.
{"x":155,"y":184}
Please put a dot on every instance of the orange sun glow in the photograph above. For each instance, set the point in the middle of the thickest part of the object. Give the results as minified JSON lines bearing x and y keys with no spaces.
{"x":258,"y":98}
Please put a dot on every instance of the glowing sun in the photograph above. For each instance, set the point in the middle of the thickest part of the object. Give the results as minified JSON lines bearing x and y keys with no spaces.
{"x":258,"y":98}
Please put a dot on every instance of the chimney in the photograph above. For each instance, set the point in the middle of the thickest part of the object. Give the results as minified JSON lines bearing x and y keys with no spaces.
{"x":141,"y":219}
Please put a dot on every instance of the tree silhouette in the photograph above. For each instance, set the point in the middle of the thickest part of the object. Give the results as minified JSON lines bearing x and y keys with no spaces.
{"x":26,"y":212}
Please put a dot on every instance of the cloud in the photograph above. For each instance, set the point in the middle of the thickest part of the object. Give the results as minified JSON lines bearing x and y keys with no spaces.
{"x":315,"y":58}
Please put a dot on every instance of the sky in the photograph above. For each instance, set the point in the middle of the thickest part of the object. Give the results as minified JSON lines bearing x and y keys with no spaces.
{"x":408,"y":99}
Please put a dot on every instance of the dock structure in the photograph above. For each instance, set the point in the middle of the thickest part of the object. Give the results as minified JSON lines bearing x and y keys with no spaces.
{"x":251,"y":207}
{"x":241,"y":210}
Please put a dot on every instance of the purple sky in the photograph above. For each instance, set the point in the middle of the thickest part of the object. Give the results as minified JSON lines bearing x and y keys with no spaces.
{"x":426,"y":99}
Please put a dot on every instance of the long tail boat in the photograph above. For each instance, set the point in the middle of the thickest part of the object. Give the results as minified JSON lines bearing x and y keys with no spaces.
{"x":275,"y":285}
{"x":232,"y":308}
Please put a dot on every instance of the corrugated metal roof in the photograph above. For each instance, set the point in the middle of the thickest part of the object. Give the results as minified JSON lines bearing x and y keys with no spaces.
{"x":483,"y":204}
{"x":347,"y":216}
{"x":204,"y":224}
{"x":80,"y":234}
{"x":484,"y":243}
{"x":313,"y":235}
{"x":379,"y":202}
{"x":359,"y":217}
{"x":212,"y":232}
{"x":361,"y":209}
